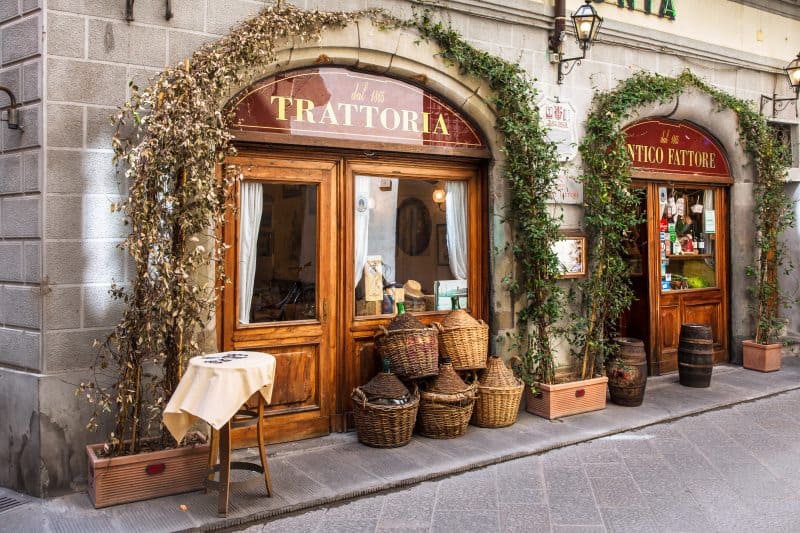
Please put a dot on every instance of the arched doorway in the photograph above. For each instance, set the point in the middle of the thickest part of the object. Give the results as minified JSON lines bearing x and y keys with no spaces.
{"x":680,"y":262}
{"x":336,"y":219}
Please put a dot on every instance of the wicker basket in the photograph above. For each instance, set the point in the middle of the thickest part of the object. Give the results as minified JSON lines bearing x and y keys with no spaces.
{"x":464,"y":340}
{"x":499,"y":395}
{"x":384,"y":426}
{"x":445,"y":409}
{"x":413,"y":353}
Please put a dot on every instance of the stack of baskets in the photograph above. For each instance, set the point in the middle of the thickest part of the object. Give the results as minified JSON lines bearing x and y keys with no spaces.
{"x":499,"y":394}
{"x":385,"y":411}
{"x":464,"y":340}
{"x":411,"y":347}
{"x":446,"y":405}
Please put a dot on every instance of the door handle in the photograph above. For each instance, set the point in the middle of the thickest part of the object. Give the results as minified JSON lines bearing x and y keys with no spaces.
{"x":324,"y":309}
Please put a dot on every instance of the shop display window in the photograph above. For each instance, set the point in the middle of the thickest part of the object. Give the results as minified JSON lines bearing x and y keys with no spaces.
{"x":410,"y":244}
{"x":277,"y":267}
{"x":687,"y":238}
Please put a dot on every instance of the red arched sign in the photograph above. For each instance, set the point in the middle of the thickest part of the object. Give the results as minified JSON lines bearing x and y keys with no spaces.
{"x":339,"y":104}
{"x":673,"y":147}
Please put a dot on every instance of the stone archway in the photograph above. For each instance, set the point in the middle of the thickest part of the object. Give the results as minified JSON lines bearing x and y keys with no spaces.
{"x":400,"y":54}
{"x":700,"y":108}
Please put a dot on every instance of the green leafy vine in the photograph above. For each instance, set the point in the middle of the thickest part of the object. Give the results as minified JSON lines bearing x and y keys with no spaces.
{"x":172,"y":138}
{"x":611,"y":207}
{"x":531,"y":168}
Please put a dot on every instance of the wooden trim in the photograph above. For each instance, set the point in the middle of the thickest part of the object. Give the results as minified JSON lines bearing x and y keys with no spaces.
{"x":320,"y":142}
{"x":668,"y":177}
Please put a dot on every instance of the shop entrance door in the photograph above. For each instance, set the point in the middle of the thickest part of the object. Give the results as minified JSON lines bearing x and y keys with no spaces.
{"x":683,"y":249}
{"x":283,"y":268}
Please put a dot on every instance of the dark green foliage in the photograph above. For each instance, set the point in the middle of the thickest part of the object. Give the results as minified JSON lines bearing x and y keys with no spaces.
{"x":530,"y":168}
{"x":611,"y":208}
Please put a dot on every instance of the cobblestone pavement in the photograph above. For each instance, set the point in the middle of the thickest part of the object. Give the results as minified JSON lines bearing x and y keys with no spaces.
{"x":735,"y":469}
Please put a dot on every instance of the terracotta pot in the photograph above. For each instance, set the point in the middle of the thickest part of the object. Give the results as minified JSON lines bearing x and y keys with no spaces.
{"x":761,"y":357}
{"x":565,"y":399}
{"x":130,"y":478}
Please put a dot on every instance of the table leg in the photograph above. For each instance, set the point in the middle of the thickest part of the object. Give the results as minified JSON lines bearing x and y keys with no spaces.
{"x":262,"y":452}
{"x":213,"y":454}
{"x":224,"y":469}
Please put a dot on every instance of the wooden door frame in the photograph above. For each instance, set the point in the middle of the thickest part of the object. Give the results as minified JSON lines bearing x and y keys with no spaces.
{"x":721,"y":187}
{"x":419,"y":166}
{"x":294,"y":333}
{"x":354,"y":329}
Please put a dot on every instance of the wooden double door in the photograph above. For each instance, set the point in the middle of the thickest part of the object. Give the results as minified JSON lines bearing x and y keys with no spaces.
{"x":293,"y":291}
{"x":679,"y":269}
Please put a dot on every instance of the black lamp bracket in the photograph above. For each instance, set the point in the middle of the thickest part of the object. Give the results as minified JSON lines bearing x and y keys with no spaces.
{"x":13,"y":112}
{"x":780,"y":103}
{"x":129,"y":10}
{"x":565,"y":65}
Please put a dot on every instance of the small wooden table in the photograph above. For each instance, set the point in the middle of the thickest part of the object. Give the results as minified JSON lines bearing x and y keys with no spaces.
{"x":215,"y":388}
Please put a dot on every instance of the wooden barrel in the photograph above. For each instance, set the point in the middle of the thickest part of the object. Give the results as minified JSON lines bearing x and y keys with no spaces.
{"x":695,"y":355}
{"x":627,"y":374}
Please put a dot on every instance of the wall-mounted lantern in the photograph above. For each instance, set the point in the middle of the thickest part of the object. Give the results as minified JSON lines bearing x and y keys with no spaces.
{"x":587,"y":24}
{"x":793,"y":73}
{"x":438,"y":197}
{"x":13,"y":112}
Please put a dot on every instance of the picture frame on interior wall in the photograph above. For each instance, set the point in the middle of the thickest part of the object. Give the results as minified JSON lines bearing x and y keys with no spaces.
{"x":571,"y":252}
{"x":442,"y":256}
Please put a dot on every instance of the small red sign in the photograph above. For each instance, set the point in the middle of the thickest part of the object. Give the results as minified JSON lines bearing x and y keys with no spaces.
{"x":155,"y":468}
{"x":334,"y":102}
{"x":673,"y":147}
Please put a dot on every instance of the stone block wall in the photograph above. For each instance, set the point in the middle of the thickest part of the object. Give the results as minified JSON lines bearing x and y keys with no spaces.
{"x":58,"y":237}
{"x":20,"y":243}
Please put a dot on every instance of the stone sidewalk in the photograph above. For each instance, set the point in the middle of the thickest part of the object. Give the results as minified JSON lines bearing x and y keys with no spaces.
{"x":318,"y":472}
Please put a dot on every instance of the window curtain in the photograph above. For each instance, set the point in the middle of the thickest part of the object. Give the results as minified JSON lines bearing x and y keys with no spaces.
{"x":361,"y":243}
{"x":455,"y":202}
{"x":252,"y":203}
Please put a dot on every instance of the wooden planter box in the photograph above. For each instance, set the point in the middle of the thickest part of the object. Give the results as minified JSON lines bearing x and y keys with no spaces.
{"x":761,"y":357}
{"x":565,"y":399}
{"x":131,"y":478}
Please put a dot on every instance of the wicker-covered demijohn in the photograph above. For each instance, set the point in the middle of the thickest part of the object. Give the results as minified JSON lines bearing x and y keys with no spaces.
{"x":385,"y":411}
{"x":464,"y":340}
{"x":446,"y":405}
{"x":411,"y":347}
{"x":499,"y":395}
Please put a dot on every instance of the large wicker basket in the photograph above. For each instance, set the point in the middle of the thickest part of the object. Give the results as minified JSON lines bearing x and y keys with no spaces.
{"x":445,"y":409}
{"x":464,"y":340}
{"x":499,"y":395}
{"x":413,"y":353}
{"x":384,"y":426}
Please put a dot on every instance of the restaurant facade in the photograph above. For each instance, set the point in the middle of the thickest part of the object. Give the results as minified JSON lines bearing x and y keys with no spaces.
{"x":372,"y":172}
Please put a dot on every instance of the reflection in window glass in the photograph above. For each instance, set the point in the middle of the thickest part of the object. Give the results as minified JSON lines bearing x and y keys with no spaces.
{"x":277,"y":252}
{"x":410,"y":243}
{"x":687,"y":236}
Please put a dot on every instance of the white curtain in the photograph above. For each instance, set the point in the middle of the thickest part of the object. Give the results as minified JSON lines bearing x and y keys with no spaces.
{"x":455,"y":202}
{"x":362,"y":191}
{"x":252,"y":202}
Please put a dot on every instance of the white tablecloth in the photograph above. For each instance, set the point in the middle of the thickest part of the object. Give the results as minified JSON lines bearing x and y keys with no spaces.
{"x":215,"y":391}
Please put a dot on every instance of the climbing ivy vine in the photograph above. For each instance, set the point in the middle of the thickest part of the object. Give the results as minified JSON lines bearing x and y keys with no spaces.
{"x":611,"y":207}
{"x":531,"y":168}
{"x":172,"y":136}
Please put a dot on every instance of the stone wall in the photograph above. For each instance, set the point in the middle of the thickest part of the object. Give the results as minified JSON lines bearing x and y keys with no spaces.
{"x":58,"y":238}
{"x":20,"y":243}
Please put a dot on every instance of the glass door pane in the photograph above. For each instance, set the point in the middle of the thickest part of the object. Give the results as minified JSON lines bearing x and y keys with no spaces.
{"x":687,"y":238}
{"x":410,"y":243}
{"x":277,"y":252}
